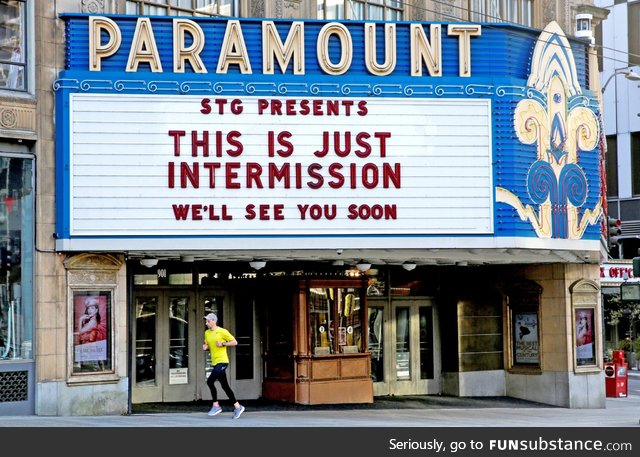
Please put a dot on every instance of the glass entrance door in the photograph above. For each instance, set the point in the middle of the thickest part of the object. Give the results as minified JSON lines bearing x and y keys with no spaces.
{"x":236,"y":313}
{"x":404,"y":346}
{"x":168,"y":331}
{"x":165,"y":348}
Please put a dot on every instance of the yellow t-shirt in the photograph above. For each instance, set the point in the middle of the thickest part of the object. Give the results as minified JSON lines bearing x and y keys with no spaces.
{"x":218,"y":354}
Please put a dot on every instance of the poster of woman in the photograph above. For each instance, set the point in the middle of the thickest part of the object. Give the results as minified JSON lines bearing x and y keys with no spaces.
{"x":91,"y":328}
{"x":585,"y":353}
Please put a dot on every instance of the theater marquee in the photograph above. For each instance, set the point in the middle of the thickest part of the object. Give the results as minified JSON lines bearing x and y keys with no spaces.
{"x":212,"y":130}
{"x":157,"y":164}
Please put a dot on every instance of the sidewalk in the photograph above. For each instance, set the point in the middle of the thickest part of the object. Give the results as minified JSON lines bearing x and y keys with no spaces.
{"x":619,"y":412}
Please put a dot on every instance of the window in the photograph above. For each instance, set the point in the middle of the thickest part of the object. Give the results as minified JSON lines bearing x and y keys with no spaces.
{"x":183,"y":7}
{"x":635,"y":162}
{"x":178,"y":332}
{"x":91,"y":312}
{"x":12,"y":45}
{"x":388,"y":10}
{"x":212,"y":304}
{"x":336,"y":317}
{"x":146,"y":312}
{"x":426,"y":342}
{"x":515,"y":11}
{"x":524,"y":306}
{"x":16,"y":259}
{"x":584,"y":298}
{"x":599,"y":45}
{"x":403,"y":343}
{"x":376,"y":342}
{"x":611,"y":166}
{"x":245,"y":336}
{"x":633,"y":19}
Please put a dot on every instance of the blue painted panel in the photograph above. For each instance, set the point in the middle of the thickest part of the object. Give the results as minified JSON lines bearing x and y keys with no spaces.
{"x":501,"y":64}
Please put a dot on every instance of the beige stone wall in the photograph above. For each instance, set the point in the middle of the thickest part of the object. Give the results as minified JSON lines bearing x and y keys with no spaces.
{"x":559,"y":382}
{"x":50,"y":303}
{"x":575,"y":273}
{"x":556,"y":311}
{"x":52,"y":321}
{"x":553,"y":315}
{"x":52,"y":327}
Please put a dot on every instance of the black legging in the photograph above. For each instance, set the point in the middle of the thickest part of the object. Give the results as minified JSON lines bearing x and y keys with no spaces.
{"x":219,"y":373}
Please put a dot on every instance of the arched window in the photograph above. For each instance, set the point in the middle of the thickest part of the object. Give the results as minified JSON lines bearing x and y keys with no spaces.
{"x":586,"y":327}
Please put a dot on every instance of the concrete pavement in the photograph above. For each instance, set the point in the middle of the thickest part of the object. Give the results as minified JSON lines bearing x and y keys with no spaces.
{"x":619,"y":412}
{"x":436,"y":425}
{"x":433,"y":412}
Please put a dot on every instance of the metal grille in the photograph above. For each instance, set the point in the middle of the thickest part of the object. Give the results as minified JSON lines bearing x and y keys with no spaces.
{"x":14,"y":386}
{"x":630,"y":229}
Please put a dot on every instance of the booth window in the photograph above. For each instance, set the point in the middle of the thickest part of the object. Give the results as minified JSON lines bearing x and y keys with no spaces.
{"x":584,"y":300}
{"x":336,"y":317}
{"x":524,"y":316}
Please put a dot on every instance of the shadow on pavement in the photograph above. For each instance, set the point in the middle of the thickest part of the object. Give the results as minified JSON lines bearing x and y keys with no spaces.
{"x":391,"y":402}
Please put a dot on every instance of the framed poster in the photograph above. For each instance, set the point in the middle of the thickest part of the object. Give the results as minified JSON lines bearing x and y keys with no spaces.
{"x":585,"y":345}
{"x":92,"y":331}
{"x":524,"y":325}
{"x":525,"y":338}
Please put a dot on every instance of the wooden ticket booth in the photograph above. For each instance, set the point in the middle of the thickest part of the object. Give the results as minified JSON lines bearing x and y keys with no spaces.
{"x":316,"y":346}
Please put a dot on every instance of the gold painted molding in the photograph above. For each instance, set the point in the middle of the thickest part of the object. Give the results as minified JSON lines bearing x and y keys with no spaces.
{"x":94,"y":262}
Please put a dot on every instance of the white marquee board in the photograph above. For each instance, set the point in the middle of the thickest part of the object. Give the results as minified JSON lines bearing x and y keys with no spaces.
{"x":437,"y":154}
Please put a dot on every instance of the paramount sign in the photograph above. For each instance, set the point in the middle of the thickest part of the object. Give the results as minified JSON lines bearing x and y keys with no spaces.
{"x":189,"y":47}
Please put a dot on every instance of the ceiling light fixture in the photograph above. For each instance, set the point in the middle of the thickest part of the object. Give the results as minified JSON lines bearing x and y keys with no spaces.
{"x":149,"y":262}
{"x":363,"y":266}
{"x":257,"y":264}
{"x":338,"y":263}
{"x":409,"y":266}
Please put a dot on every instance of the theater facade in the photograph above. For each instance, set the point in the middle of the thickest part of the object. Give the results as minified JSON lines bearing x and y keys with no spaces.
{"x":372,"y":208}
